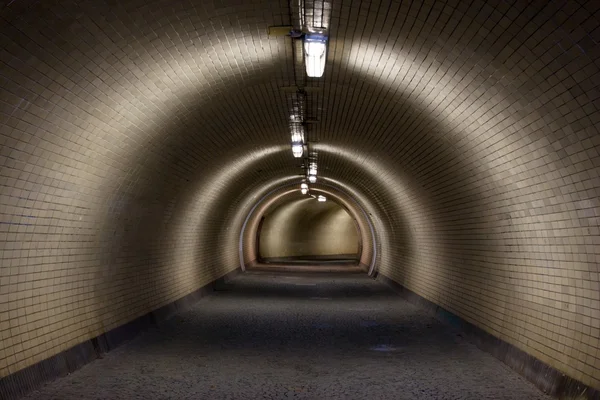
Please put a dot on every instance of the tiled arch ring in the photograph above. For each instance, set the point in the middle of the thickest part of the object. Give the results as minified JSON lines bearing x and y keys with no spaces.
{"x":367,"y":231}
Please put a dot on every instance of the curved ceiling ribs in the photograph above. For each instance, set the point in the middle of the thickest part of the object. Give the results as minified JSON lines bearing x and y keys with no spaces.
{"x":137,"y":136}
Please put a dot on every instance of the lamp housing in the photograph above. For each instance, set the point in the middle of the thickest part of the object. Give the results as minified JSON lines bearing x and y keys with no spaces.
{"x":315,"y":51}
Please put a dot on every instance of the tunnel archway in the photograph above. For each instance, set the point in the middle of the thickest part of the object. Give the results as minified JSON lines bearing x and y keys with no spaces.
{"x":248,"y":246}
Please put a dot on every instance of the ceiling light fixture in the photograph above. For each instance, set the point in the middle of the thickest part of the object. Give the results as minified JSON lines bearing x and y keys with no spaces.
{"x":297,"y":150}
{"x":321,"y":198}
{"x":297,"y":134}
{"x":304,"y":191}
{"x":315,"y":50}
{"x":312,"y":178}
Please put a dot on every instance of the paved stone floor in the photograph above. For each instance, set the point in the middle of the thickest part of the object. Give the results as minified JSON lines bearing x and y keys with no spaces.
{"x":321,"y":336}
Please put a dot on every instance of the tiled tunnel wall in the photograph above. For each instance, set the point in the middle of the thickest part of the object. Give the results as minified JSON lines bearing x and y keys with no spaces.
{"x":308,"y":228}
{"x":136,"y":136}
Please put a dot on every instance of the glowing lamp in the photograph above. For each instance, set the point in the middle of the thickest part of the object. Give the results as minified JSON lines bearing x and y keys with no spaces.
{"x":297,"y":150}
{"x":315,"y":49}
{"x":297,"y":134}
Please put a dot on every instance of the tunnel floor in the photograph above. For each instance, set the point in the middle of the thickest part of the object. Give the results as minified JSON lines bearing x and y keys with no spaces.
{"x":308,"y":336}
{"x":327,"y":268}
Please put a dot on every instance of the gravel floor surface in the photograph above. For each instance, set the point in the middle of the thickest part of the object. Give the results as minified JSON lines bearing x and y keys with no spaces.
{"x":280,"y":336}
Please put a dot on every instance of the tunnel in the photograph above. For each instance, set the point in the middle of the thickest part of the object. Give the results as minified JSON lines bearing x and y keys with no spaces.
{"x":153,"y":224}
{"x":305,"y":230}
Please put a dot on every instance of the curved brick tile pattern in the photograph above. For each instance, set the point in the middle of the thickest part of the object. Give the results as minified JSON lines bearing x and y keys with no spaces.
{"x":137,"y":135}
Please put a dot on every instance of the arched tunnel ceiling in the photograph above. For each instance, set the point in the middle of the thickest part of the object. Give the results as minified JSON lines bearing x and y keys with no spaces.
{"x":137,"y":135}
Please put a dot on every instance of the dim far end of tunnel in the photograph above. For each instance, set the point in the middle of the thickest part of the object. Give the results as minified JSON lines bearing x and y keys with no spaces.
{"x":312,"y":199}
{"x":325,"y":230}
{"x":309,"y":231}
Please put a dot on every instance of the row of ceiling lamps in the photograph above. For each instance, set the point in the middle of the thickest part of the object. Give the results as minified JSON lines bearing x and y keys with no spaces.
{"x":315,"y":49}
{"x":309,"y":48}
{"x":304,"y":190}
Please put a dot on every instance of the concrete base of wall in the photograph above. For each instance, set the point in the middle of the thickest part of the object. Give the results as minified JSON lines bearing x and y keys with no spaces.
{"x":26,"y":380}
{"x":545,"y":377}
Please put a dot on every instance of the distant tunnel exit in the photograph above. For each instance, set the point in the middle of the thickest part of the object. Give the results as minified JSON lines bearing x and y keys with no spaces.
{"x":307,"y":230}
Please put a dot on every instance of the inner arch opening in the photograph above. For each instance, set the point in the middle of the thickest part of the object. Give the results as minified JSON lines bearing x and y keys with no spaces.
{"x":303,"y":230}
{"x":366,"y":257}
